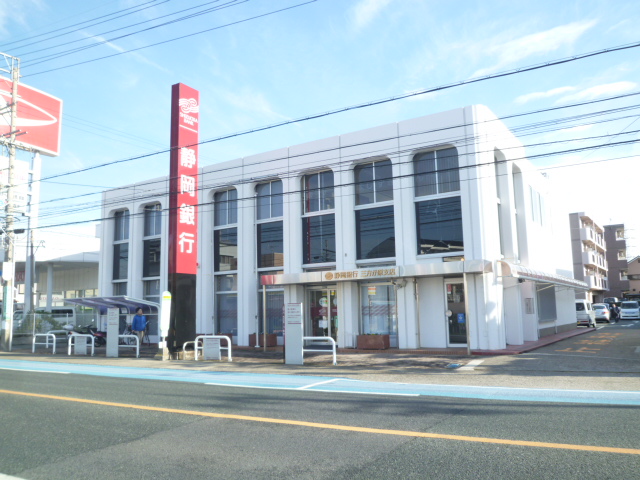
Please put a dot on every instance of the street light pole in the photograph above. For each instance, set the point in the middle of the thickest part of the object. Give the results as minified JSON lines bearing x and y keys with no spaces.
{"x":8,"y":269}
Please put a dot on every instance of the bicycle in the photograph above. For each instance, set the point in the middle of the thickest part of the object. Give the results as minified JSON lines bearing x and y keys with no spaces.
{"x":127,"y":341}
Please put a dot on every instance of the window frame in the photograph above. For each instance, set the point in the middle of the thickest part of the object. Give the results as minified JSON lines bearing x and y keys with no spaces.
{"x":437,"y":172}
{"x":324,"y":192}
{"x":460,"y":226}
{"x":377,"y":182}
{"x":273,"y":202}
{"x":224,"y":204}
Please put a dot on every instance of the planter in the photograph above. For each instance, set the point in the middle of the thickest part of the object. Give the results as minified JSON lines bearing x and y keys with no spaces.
{"x":372,"y":342}
{"x":272,"y":340}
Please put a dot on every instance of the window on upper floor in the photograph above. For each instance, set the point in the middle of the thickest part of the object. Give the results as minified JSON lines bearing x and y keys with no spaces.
{"x":374,"y":182}
{"x":439,"y":226}
{"x":436,"y":172}
{"x":152,"y":241}
{"x":319,"y":239}
{"x":269,"y":200}
{"x":375,"y":234}
{"x":225,"y":249}
{"x":121,"y":220}
{"x":152,"y":220}
{"x":120,"y":247}
{"x":270,"y":244}
{"x":318,"y":191}
{"x":226,"y":207}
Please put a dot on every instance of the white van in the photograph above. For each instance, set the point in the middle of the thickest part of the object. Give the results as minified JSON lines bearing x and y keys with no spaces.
{"x":585,"y":314}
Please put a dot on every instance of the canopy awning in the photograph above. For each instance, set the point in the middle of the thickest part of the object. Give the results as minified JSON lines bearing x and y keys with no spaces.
{"x":102,"y":303}
{"x":526,"y":273}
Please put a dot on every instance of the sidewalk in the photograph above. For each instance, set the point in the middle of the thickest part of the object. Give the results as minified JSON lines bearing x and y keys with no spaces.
{"x":252,"y":359}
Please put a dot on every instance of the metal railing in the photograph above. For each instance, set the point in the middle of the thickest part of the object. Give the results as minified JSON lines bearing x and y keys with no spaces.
{"x":136,"y":344}
{"x":198,"y":345}
{"x":72,"y":338}
{"x":46,"y":342}
{"x":321,"y":339}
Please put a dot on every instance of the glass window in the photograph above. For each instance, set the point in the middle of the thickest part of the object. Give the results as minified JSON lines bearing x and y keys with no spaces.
{"x":227,"y":313}
{"x":269,"y":201}
{"x":120,"y":288}
{"x":226,"y":283}
{"x":226,"y":207}
{"x":225,"y":253}
{"x":439,"y":226}
{"x":121,"y":219}
{"x":319,"y":239}
{"x":151,"y":258}
{"x":270,"y":245}
{"x":378,"y":311}
{"x":375,"y":235}
{"x":226,"y":287}
{"x":152,"y":290}
{"x":120,"y":261}
{"x":436,"y":172}
{"x":318,"y":192}
{"x":152,"y":220}
{"x":275,"y":312}
{"x":374,"y":182}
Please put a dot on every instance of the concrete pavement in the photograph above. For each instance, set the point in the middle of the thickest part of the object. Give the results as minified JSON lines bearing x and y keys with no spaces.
{"x":408,"y":366}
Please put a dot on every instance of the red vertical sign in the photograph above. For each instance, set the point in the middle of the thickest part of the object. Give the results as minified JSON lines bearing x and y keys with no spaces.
{"x":183,"y":184}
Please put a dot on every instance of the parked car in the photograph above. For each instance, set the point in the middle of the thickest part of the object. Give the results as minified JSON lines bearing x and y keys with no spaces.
{"x":611,"y":301}
{"x":585,"y":314}
{"x":602,"y":312}
{"x":629,"y":310}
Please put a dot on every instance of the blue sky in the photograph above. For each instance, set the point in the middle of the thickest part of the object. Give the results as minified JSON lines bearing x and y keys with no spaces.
{"x":325,"y":55}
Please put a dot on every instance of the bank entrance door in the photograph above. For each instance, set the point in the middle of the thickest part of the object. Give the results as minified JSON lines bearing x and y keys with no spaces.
{"x":456,"y":312}
{"x":322,"y":313}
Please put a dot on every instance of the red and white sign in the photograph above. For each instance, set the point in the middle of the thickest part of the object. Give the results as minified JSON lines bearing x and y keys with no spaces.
{"x":38,"y":118}
{"x":183,"y":185}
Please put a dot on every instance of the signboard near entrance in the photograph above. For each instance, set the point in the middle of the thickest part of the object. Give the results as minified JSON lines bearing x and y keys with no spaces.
{"x":293,"y":333}
{"x":211,"y":348}
{"x":113,"y":330}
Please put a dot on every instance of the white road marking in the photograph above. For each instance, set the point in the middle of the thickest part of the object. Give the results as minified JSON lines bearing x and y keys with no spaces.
{"x":37,"y":371}
{"x":471,"y":364}
{"x":318,"y":383}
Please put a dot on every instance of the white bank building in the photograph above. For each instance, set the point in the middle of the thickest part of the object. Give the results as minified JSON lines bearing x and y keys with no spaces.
{"x":434,"y":232}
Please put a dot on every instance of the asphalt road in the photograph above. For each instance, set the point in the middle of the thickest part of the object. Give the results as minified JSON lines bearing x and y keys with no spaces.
{"x":118,"y":428}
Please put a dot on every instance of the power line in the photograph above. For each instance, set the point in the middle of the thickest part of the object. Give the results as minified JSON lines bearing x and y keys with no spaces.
{"x":287,"y":194}
{"x":154,"y":2}
{"x":47,"y":58}
{"x":412,"y":148}
{"x":146,"y":155}
{"x":176,"y":38}
{"x":453,"y":140}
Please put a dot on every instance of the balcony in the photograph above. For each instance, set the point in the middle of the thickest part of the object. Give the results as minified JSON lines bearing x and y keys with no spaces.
{"x":596,"y":282}
{"x":588,"y":236}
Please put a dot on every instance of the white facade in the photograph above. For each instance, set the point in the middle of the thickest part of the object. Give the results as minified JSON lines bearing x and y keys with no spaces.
{"x":373,"y":232}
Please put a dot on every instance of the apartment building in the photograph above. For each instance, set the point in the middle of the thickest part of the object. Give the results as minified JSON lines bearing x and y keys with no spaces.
{"x":588,"y":250}
{"x":616,"y":255}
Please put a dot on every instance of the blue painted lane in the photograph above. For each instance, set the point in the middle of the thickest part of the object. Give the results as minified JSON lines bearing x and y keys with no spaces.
{"x":331,"y":384}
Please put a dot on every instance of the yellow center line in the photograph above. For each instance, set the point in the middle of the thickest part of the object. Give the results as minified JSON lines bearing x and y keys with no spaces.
{"x":328,"y":426}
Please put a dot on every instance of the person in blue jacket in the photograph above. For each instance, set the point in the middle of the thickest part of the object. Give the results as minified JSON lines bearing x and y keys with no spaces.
{"x":139,"y":324}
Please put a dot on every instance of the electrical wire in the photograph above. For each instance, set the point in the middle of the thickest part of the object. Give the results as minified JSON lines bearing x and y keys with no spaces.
{"x":273,"y":12}
{"x":154,"y":2}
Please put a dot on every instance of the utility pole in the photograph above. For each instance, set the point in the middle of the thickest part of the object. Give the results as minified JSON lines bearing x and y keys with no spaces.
{"x":8,"y":269}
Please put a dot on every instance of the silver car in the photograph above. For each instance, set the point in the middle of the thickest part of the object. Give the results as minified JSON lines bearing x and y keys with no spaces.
{"x":629,"y":310}
{"x":602,"y":312}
